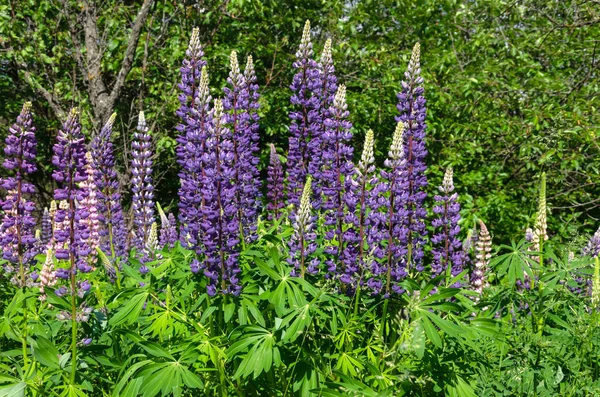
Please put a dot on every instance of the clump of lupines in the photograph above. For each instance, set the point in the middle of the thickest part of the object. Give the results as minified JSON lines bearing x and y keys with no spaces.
{"x":336,"y":173}
{"x":483,"y":249}
{"x":236,"y":104}
{"x":302,"y":128}
{"x":89,"y":204}
{"x":69,"y":162}
{"x":447,"y":248}
{"x":323,"y":85}
{"x":388,"y":230}
{"x":412,"y":110}
{"x":143,"y":190}
{"x":17,"y":236}
{"x":113,"y":233}
{"x":220,"y":215}
{"x":275,"y":188}
{"x":358,"y":199}
{"x":302,"y":243}
{"x":192,"y":146}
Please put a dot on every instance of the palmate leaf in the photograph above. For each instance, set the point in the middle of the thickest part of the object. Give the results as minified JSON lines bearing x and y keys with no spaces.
{"x":130,"y":312}
{"x":46,"y":353}
{"x":514,"y":264}
{"x":14,"y":390}
{"x":262,"y":351}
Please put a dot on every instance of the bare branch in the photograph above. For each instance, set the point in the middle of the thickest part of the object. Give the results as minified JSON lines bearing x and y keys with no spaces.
{"x":48,"y":96}
{"x":132,"y":43}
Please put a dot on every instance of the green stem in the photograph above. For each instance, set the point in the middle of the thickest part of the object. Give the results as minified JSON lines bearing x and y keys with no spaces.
{"x":383,"y":319}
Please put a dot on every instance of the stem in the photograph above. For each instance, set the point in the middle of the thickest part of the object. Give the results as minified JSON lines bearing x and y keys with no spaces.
{"x":383,"y":319}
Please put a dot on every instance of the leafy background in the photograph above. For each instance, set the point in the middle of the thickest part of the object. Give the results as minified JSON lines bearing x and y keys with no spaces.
{"x":511,"y":86}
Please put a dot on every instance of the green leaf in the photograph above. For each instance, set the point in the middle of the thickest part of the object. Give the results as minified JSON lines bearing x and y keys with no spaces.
{"x":46,"y":353}
{"x":130,"y":312}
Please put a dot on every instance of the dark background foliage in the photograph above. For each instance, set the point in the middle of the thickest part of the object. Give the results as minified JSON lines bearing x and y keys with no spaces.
{"x":511,"y":85}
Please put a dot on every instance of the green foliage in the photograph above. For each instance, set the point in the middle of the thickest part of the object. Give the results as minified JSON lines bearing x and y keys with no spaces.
{"x":290,"y":336}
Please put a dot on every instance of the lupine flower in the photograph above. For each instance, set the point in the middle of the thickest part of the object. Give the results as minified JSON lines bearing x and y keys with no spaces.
{"x":358,"y":199}
{"x":89,"y":204}
{"x":596,"y":284}
{"x":17,"y":238}
{"x":593,"y":246}
{"x":46,"y":226}
{"x":275,"y":194}
{"x":412,"y":110}
{"x":388,"y":229}
{"x":69,"y":162}
{"x":337,"y":171}
{"x":220,"y":222}
{"x":47,"y":275}
{"x":301,"y":128}
{"x":237,"y":105}
{"x":447,"y":248}
{"x":302,"y":243}
{"x":192,"y":146}
{"x":323,"y":85}
{"x":152,"y":243}
{"x":143,"y":190}
{"x":113,"y":233}
{"x":540,"y":234}
{"x":483,"y":250}
{"x":168,"y":229}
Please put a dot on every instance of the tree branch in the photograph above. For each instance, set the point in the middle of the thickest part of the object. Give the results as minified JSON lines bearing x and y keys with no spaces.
{"x":48,"y":96}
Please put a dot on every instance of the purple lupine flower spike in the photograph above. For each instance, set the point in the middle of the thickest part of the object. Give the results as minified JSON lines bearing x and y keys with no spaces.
{"x":17,"y":236}
{"x":483,"y":249}
{"x":358,"y":200}
{"x":387,"y":227}
{"x":275,"y":194}
{"x":337,"y":171}
{"x":46,"y":227}
{"x":301,"y":128}
{"x":302,"y":244}
{"x":71,"y":232}
{"x":89,"y":203}
{"x":143,"y":190}
{"x":236,"y":104}
{"x":447,"y":248}
{"x":113,"y":233}
{"x":195,"y":120}
{"x":192,"y":146}
{"x":412,"y":110}
{"x":220,"y":216}
{"x":252,"y":183}
{"x":324,"y":86}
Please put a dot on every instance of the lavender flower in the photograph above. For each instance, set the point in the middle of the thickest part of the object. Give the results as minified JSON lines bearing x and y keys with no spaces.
{"x":275,"y":194}
{"x":17,"y":239}
{"x":447,"y":248}
{"x":388,"y":230}
{"x":483,"y":250}
{"x":301,"y":128}
{"x":323,"y":85}
{"x":236,"y":104}
{"x":192,"y":146}
{"x":69,"y":162}
{"x":113,"y":233}
{"x":358,"y":200}
{"x":336,"y":172}
{"x":412,"y":112}
{"x":89,"y":204}
{"x":143,"y":190}
{"x":220,"y":216}
{"x":302,"y":243}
